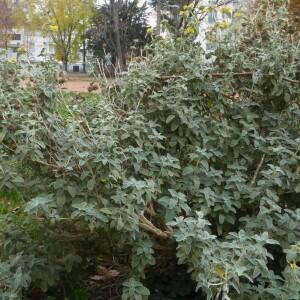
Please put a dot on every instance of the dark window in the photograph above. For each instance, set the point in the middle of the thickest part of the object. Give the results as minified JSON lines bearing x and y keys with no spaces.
{"x":75,"y":68}
{"x":16,"y":37}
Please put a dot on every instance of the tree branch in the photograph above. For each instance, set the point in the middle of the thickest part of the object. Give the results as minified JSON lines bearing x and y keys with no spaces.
{"x":145,"y":224}
{"x":221,"y":75}
{"x":291,"y":80}
{"x":257,"y":169}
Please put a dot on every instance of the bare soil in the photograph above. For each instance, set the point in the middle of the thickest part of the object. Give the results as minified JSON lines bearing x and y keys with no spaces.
{"x":77,"y":83}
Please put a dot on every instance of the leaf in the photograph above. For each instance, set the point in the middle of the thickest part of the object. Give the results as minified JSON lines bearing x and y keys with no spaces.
{"x":41,"y":203}
{"x":170,"y":118}
{"x":88,"y":211}
{"x":18,"y":180}
{"x":72,"y":190}
{"x":221,"y":219}
{"x":174,"y":126}
{"x":106,"y":211}
{"x":2,"y":134}
{"x":187,"y":170}
{"x":91,"y":184}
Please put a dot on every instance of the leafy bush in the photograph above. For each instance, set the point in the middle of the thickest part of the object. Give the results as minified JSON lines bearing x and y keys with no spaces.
{"x":186,"y":154}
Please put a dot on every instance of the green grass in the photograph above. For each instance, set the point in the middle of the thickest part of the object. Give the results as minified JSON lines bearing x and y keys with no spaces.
{"x":9,"y":201}
{"x":12,"y":212}
{"x":68,"y":99}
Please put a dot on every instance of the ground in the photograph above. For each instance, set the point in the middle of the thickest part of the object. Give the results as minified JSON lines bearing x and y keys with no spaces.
{"x":77,"y":82}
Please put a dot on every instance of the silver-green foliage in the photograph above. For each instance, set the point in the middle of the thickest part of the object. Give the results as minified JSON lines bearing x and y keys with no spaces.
{"x":197,"y":156}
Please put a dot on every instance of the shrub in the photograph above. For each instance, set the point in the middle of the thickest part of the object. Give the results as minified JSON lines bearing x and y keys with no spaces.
{"x":186,"y":154}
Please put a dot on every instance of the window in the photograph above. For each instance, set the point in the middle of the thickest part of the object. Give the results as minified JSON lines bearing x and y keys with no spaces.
{"x":76,"y":69}
{"x":16,"y":37}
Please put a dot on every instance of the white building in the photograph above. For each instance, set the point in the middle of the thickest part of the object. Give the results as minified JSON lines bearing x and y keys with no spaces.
{"x":38,"y":48}
{"x":34,"y":43}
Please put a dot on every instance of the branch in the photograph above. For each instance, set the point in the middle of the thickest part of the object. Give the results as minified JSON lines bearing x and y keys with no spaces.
{"x":145,"y":224}
{"x":228,"y":96}
{"x":166,"y":77}
{"x":291,"y":80}
{"x":221,"y":75}
{"x":240,"y":74}
{"x":257,"y":169}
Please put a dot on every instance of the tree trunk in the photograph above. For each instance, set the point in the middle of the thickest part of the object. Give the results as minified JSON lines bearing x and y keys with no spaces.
{"x":115,"y":13}
{"x":158,"y":17}
{"x":6,"y":38}
{"x":84,"y":56}
{"x":6,"y":43}
{"x":65,"y":63}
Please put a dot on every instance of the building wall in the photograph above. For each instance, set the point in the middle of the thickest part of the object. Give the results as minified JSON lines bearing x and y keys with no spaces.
{"x":34,"y":43}
{"x":38,"y":48}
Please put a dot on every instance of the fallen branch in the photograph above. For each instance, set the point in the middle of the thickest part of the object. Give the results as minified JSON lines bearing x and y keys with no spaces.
{"x":221,"y":75}
{"x":166,"y":77}
{"x":145,"y":224}
{"x":240,"y":74}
